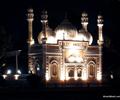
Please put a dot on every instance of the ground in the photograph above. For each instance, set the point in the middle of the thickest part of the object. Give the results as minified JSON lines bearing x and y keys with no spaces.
{"x":23,"y":90}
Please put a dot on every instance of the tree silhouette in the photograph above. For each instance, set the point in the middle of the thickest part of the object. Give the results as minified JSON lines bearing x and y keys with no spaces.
{"x":111,"y":57}
{"x":5,"y":43}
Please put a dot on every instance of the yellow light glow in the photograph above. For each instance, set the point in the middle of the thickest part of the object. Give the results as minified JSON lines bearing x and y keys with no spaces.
{"x":72,"y":50}
{"x":80,"y":38}
{"x":61,"y":34}
{"x":76,"y":78}
{"x":99,"y":77}
{"x":84,"y":77}
{"x":51,"y":39}
{"x":32,"y":42}
{"x":71,"y":58}
{"x":47,"y":77}
{"x":67,"y":78}
{"x":74,"y":55}
{"x":32,"y":71}
{"x":79,"y":59}
{"x":62,"y":78}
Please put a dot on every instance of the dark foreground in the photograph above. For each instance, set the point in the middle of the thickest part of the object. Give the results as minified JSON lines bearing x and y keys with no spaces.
{"x":54,"y":93}
{"x":22,"y":90}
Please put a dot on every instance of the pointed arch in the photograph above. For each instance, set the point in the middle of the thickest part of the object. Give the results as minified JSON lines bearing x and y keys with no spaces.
{"x":91,"y":69}
{"x":54,"y":69}
{"x":79,"y":72}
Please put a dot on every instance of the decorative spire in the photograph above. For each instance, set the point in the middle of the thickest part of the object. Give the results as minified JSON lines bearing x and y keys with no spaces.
{"x":100,"y":33}
{"x":30,"y":14}
{"x":44,"y":17}
{"x":100,"y":20}
{"x":30,"y":17}
{"x":84,"y":20}
{"x":44,"y":21}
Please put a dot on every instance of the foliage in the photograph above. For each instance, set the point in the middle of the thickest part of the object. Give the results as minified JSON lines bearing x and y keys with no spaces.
{"x":5,"y":44}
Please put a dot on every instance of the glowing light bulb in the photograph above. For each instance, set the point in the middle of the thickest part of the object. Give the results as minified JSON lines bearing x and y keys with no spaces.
{"x":16,"y":76}
{"x":38,"y":68}
{"x":18,"y":71}
{"x":111,"y":76}
{"x":99,"y":77}
{"x":4,"y":76}
{"x":9,"y":71}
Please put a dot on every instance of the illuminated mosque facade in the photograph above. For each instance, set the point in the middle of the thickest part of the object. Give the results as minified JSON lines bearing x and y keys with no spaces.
{"x":65,"y":53}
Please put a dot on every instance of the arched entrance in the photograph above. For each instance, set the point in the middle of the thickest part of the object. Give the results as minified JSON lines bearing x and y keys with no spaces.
{"x":91,"y":70}
{"x":54,"y":70}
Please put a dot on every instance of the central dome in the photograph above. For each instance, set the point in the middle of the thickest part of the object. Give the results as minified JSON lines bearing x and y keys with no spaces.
{"x":65,"y":30}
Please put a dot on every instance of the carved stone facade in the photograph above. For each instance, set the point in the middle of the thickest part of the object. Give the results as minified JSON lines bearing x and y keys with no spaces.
{"x":81,"y":66}
{"x":62,"y":57}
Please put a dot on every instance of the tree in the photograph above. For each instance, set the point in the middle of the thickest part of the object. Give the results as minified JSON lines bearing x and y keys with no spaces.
{"x":5,"y":44}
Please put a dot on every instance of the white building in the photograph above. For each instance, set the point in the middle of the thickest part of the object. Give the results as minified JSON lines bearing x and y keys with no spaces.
{"x":65,"y":53}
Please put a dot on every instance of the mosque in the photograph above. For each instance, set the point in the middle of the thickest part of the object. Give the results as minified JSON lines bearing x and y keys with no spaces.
{"x":66,"y":53}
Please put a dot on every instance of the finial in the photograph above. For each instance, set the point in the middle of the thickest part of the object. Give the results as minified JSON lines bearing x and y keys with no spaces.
{"x":84,"y":17}
{"x":100,"y":19}
{"x":100,"y":33}
{"x":44,"y":16}
{"x":30,"y":10}
{"x":84,"y":20}
{"x":84,"y":14}
{"x":30,"y":13}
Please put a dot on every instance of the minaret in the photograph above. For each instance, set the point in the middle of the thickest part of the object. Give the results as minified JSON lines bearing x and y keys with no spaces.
{"x":44,"y":21}
{"x":30,"y":16}
{"x":45,"y":69}
{"x":100,"y":43}
{"x":84,"y":20}
{"x":30,"y":41}
{"x":100,"y":34}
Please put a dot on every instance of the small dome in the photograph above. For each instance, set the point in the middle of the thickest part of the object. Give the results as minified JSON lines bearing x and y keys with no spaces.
{"x":49,"y":33}
{"x":85,"y":36}
{"x":67,"y":29}
{"x":40,"y":36}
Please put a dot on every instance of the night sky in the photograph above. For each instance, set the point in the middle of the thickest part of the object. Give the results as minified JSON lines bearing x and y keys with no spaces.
{"x":13,"y":16}
{"x":13,"y":19}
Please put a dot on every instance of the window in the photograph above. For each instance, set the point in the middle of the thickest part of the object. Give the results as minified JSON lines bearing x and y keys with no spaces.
{"x":91,"y":70}
{"x":71,"y":73}
{"x":79,"y":72}
{"x":54,"y":69}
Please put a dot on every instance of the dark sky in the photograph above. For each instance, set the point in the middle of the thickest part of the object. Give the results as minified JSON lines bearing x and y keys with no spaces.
{"x":13,"y":16}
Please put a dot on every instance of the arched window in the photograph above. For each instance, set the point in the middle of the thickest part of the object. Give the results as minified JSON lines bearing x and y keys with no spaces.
{"x":54,"y":69}
{"x":79,"y":72}
{"x":91,"y":69}
{"x":71,"y":73}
